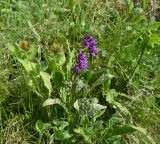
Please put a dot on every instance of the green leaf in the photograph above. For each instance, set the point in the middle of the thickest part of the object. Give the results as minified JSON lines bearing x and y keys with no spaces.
{"x":89,"y":107}
{"x":14,"y":49}
{"x":76,"y":105}
{"x":60,"y":58}
{"x":11,"y":47}
{"x":104,"y":80}
{"x":98,"y":114}
{"x":46,"y":79}
{"x":63,"y":94}
{"x":39,"y":126}
{"x":61,"y":124}
{"x":62,"y":135}
{"x":154,"y":26}
{"x":121,"y":130}
{"x":32,"y":52}
{"x":98,"y":107}
{"x":111,"y":95}
{"x":71,"y":3}
{"x":69,"y":63}
{"x":46,"y":126}
{"x":51,"y":101}
{"x":106,"y":86}
{"x":126,"y":129}
{"x":85,"y":133}
{"x":53,"y":65}
{"x":58,"y":79}
{"x":85,"y":102}
{"x":29,"y":66}
{"x":154,"y":39}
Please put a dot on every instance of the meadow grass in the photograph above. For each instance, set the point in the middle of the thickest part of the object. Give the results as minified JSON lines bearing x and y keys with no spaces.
{"x":42,"y":100}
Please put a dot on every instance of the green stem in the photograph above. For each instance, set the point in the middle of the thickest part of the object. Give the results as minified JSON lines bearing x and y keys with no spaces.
{"x":140,"y":58}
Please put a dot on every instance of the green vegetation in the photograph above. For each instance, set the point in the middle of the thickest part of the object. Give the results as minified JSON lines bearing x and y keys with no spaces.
{"x":43,"y":100}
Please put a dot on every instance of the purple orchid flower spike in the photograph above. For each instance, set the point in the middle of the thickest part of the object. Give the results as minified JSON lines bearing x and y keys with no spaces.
{"x":81,"y":63}
{"x":90,"y":43}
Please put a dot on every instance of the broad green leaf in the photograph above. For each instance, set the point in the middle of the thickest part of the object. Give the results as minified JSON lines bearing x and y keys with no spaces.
{"x":58,"y":79}
{"x":46,"y":126}
{"x":85,"y":102}
{"x":110,"y":60}
{"x":121,"y":130}
{"x":126,"y":129}
{"x":58,"y":69}
{"x":51,"y":101}
{"x":154,"y":39}
{"x":14,"y":49}
{"x":60,"y":124}
{"x":89,"y":107}
{"x":111,"y":95}
{"x":62,"y":135}
{"x":39,"y":126}
{"x":29,"y":66}
{"x":46,"y":79}
{"x":76,"y":105}
{"x":71,"y":3}
{"x":60,"y":58}
{"x":11,"y":47}
{"x":63,"y":94}
{"x":98,"y":114}
{"x":69,"y":63}
{"x":154,"y":26}
{"x":32,"y":52}
{"x":98,"y":107}
{"x":86,"y":133}
{"x":106,"y":86}
{"x":53,"y":66}
{"x":98,"y":124}
{"x":103,"y":80}
{"x":6,"y":10}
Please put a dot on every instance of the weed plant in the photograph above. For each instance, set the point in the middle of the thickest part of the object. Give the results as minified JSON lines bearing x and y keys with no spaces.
{"x":79,"y":71}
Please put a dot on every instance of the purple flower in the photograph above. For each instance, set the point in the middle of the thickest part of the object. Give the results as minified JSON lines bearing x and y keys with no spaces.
{"x":81,"y":63}
{"x":93,"y":51}
{"x":90,"y":43}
